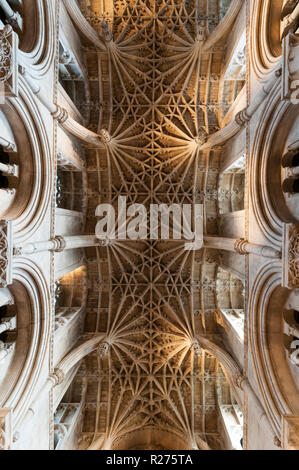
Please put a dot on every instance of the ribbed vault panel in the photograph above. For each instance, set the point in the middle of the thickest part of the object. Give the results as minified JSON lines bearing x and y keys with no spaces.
{"x":159,"y":100}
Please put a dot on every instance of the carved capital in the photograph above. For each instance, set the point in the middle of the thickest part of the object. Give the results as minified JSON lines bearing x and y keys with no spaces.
{"x":202,"y":137}
{"x":105,"y":136}
{"x":241,"y":246}
{"x":58,"y":377}
{"x":66,"y":58}
{"x":103,"y":349}
{"x":59,"y":244}
{"x":60,"y":115}
{"x":196,"y":348}
{"x":242,"y":118}
{"x":238,"y":380}
{"x":5,"y":54}
{"x":60,"y":430}
{"x":106,"y":34}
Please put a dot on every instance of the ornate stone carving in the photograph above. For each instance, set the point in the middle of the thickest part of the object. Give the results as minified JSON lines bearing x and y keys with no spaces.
{"x":242,"y":118}
{"x":105,"y":136}
{"x":202,"y":30}
{"x":241,"y":246}
{"x":8,"y":61}
{"x":5,"y":253}
{"x":196,"y":348}
{"x":291,"y":256}
{"x":66,"y":58}
{"x":61,"y":115}
{"x":59,"y":244}
{"x":106,"y":34}
{"x":60,"y":430}
{"x":103,"y":349}
{"x":58,"y":377}
{"x":5,"y":54}
{"x":238,"y":380}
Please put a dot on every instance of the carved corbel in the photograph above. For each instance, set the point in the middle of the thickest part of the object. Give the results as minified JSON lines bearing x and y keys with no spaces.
{"x":196,"y":348}
{"x":106,"y":34}
{"x":103,"y":349}
{"x":105,"y":136}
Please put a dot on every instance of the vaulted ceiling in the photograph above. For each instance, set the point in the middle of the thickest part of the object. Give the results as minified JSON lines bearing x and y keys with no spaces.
{"x":156,"y":92}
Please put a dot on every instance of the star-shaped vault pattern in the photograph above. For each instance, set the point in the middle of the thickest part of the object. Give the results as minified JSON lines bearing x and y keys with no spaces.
{"x":159,"y":92}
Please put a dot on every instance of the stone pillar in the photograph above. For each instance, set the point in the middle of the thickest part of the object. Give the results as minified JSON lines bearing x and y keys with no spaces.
{"x":57,"y":244}
{"x":7,"y":146}
{"x":61,"y":115}
{"x":240,"y":246}
{"x":289,"y":21}
{"x":13,"y":18}
{"x":245,"y":115}
{"x":9,"y":170}
{"x":60,"y":372}
{"x":238,"y":379}
{"x":8,"y":324}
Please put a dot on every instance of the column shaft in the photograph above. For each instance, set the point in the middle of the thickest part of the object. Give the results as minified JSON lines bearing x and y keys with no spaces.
{"x":57,"y":244}
{"x":240,"y":246}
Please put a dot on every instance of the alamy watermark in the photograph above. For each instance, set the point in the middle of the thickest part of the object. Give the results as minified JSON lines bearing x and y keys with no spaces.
{"x":161,"y":222}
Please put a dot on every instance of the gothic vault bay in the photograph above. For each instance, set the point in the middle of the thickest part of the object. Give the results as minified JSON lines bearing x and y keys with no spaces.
{"x":118,"y":344}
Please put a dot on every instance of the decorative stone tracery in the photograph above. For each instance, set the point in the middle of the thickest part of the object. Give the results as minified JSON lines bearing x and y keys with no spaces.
{"x":5,"y":253}
{"x":8,"y":62}
{"x":291,"y":256}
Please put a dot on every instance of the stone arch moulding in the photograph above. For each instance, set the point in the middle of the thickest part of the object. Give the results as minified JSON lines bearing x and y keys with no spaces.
{"x":35,"y":185}
{"x":145,"y":438}
{"x":265,"y":38}
{"x":266,"y":191}
{"x":32,"y":299}
{"x":273,"y":374}
{"x":38,"y":43}
{"x":225,"y":26}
